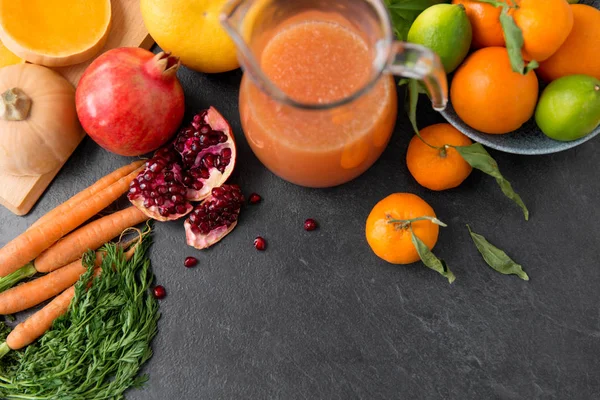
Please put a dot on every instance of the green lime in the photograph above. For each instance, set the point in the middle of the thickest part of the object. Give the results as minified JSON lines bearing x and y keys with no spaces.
{"x":573,"y":1}
{"x":569,"y":107}
{"x":445,"y":29}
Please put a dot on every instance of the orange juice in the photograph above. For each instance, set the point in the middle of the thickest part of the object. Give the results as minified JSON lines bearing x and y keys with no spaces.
{"x":318,"y":61}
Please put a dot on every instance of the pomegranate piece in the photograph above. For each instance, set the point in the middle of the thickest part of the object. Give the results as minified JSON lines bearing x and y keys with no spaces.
{"x":190,"y":262}
{"x":310,"y":225}
{"x":159,"y":292}
{"x":260,"y":244}
{"x":208,"y":153}
{"x":215,"y":217}
{"x":157,"y":191}
{"x":254,"y":198}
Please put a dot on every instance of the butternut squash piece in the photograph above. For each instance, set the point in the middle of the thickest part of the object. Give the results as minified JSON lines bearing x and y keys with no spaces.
{"x":7,"y":57}
{"x":54,"y":33}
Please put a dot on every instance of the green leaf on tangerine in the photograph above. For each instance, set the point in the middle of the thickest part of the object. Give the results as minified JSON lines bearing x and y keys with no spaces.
{"x":429,"y":259}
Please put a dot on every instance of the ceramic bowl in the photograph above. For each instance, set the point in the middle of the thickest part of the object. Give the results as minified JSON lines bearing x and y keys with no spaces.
{"x":528,"y":139}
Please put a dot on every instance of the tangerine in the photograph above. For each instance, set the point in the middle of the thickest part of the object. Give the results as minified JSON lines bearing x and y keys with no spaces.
{"x":442,"y":168}
{"x":485,"y":22}
{"x":579,"y":53}
{"x":489,"y":96}
{"x":393,"y":242}
{"x":545,"y":25}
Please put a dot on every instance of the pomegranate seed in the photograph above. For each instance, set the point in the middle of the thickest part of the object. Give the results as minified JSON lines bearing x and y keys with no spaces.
{"x":254,"y":198}
{"x":159,"y":292}
{"x":260,"y":244}
{"x":190,"y":262}
{"x":310,"y":225}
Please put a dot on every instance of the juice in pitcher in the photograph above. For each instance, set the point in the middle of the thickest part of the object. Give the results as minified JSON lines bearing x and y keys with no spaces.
{"x":318,"y":61}
{"x":318,"y":101}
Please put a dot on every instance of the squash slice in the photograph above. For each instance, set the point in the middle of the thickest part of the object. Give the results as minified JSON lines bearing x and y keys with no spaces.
{"x":55,"y":33}
{"x":7,"y":57}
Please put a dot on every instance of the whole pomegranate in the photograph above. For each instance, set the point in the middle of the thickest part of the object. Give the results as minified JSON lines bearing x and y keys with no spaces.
{"x":129,"y":100}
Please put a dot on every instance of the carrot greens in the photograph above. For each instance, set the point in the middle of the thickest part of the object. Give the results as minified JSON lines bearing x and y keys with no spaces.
{"x":95,"y":350}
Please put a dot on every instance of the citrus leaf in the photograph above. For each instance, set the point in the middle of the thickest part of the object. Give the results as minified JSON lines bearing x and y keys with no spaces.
{"x":514,"y":41}
{"x":479,"y":158}
{"x":429,"y":259}
{"x":413,"y":98}
{"x":495,"y":3}
{"x":531,"y":66}
{"x":496,"y":258}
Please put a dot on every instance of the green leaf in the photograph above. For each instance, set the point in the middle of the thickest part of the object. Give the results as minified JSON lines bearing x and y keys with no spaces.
{"x":496,"y":258}
{"x":429,"y":259}
{"x":479,"y":158}
{"x":413,"y":98}
{"x":514,"y":40}
{"x":531,"y":66}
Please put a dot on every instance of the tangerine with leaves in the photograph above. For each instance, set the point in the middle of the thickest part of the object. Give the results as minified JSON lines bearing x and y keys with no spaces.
{"x":391,"y":240}
{"x":545,"y":25}
{"x":432,"y":160}
{"x":485,"y":21}
{"x":579,"y":53}
{"x":489,"y":96}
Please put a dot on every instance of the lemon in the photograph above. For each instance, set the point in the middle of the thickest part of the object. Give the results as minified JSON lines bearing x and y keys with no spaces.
{"x":445,"y":29}
{"x":190,"y":30}
{"x":569,"y":107}
{"x":7,"y":57}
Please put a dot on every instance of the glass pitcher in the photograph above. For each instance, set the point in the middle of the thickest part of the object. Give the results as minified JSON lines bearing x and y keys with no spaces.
{"x":318,"y":101}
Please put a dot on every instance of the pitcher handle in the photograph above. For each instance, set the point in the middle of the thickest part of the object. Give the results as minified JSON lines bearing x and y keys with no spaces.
{"x":414,"y":61}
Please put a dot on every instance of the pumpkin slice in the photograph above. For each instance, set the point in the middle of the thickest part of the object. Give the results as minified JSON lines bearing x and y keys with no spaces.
{"x":7,"y":57}
{"x":54,"y":33}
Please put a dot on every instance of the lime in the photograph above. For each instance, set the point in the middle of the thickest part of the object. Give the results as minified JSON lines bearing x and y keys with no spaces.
{"x":573,"y":1}
{"x":569,"y":107}
{"x":445,"y":29}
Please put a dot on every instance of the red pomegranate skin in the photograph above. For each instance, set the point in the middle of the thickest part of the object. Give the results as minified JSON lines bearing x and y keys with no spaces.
{"x":130,"y":101}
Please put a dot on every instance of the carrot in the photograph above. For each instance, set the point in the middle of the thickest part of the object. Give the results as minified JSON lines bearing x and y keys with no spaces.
{"x":32,"y":243}
{"x":97,"y":187}
{"x":38,"y":323}
{"x":34,"y":292}
{"x":89,"y":237}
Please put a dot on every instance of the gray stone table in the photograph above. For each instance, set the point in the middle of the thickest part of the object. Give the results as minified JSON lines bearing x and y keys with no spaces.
{"x":319,"y":316}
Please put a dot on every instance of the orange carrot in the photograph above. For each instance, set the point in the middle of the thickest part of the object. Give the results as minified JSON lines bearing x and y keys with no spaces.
{"x":97,"y":187}
{"x":32,"y":243}
{"x":88,"y":237}
{"x":34,"y":292}
{"x":38,"y":323}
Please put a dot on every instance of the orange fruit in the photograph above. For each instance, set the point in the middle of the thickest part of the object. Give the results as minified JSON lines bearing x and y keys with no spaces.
{"x":192,"y":31}
{"x":438,"y":169}
{"x":545,"y":25}
{"x":485,"y":21}
{"x":392,"y":242}
{"x":488,"y":96}
{"x":579,"y":53}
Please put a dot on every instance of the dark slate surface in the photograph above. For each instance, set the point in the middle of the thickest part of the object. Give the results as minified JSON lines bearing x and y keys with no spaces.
{"x":318,"y":316}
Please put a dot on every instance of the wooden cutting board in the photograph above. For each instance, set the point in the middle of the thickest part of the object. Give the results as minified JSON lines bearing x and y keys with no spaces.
{"x":19,"y":194}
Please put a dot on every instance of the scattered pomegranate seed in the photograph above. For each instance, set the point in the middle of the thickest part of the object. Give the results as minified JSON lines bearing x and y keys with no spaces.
{"x":159,"y":292}
{"x":310,"y":225}
{"x":190,"y":262}
{"x":260,"y":244}
{"x":254,"y":198}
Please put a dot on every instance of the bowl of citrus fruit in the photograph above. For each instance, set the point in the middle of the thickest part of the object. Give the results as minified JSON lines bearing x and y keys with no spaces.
{"x":524,"y":75}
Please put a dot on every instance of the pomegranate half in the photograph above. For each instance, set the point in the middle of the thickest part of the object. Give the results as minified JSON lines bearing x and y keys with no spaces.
{"x":130,"y":101}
